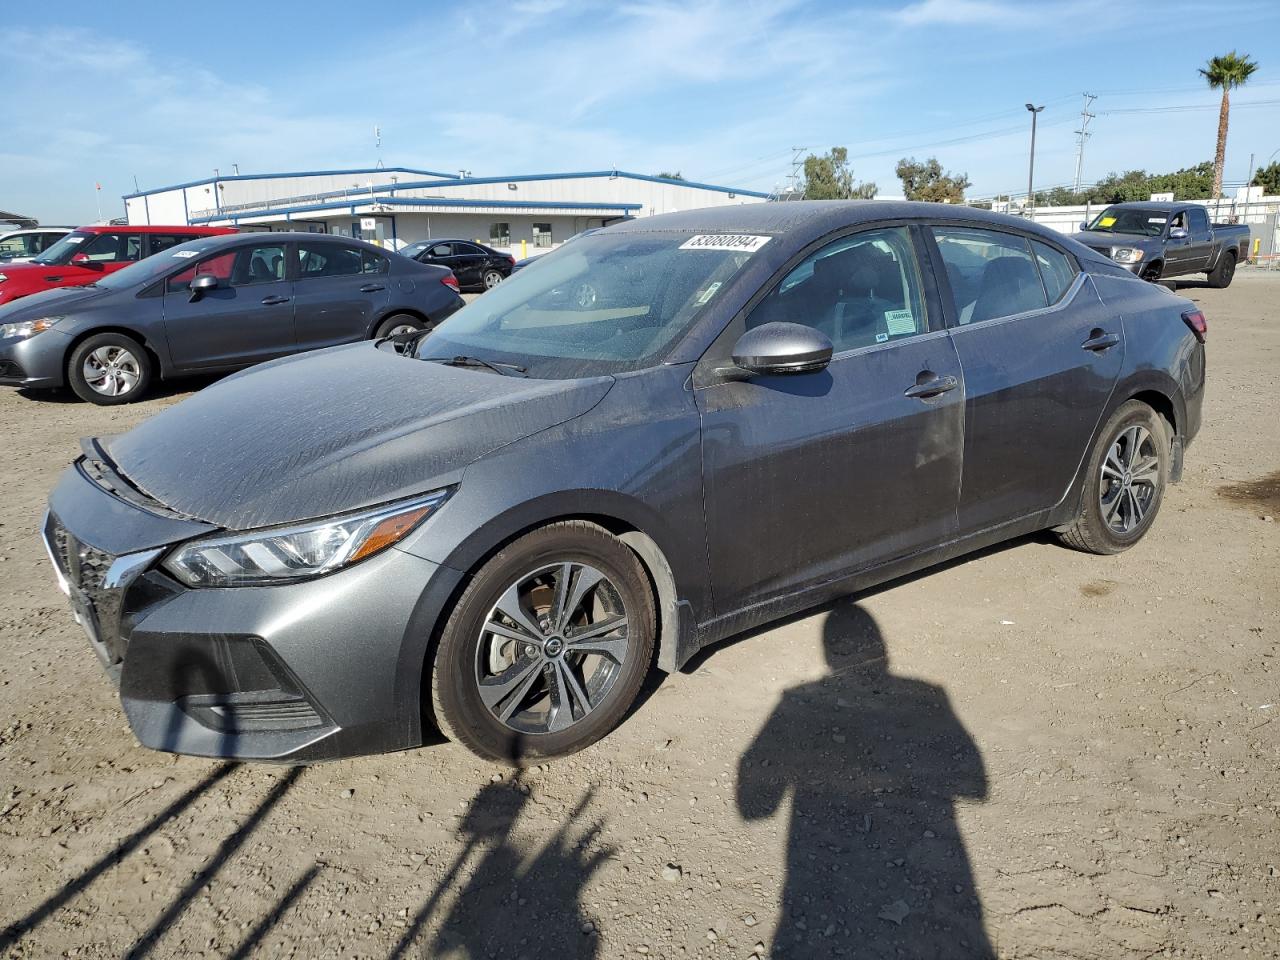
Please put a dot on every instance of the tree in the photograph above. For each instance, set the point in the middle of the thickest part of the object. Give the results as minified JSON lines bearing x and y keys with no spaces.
{"x":671,"y":176}
{"x":829,"y":177}
{"x":1224,"y":73}
{"x":1268,"y":178}
{"x":926,"y":181}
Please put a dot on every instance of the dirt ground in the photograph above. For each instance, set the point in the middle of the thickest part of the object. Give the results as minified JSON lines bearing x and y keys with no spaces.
{"x":1031,"y":753}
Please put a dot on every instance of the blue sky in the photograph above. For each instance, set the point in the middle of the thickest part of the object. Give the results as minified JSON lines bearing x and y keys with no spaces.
{"x":718,"y":90}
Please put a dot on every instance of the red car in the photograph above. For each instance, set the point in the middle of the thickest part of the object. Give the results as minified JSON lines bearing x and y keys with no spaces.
{"x":86,"y":254}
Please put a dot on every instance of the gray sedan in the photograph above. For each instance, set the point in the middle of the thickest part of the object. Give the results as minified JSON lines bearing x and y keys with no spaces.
{"x":216,"y":304}
{"x":498,"y":527}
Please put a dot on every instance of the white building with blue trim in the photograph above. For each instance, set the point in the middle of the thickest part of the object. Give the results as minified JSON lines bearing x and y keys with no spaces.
{"x":397,"y":205}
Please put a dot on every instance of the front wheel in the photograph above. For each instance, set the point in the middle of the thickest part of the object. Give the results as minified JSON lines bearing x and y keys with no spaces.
{"x":109,"y":369}
{"x":547,"y":647}
{"x":1221,"y":276}
{"x":1128,"y":472}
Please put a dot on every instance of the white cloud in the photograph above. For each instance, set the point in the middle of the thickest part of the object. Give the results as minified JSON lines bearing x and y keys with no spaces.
{"x":966,"y":12}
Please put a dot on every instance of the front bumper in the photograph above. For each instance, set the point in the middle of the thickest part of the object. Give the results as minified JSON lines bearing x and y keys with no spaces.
{"x":314,"y":670}
{"x":37,"y":362}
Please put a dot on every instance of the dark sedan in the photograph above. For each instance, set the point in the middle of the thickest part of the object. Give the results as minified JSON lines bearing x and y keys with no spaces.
{"x":476,"y":266}
{"x":498,"y":527}
{"x":215,"y":304}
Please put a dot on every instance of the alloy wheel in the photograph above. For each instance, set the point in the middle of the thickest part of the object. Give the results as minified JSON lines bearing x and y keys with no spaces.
{"x":112,"y":371}
{"x":492,"y":279}
{"x":552,"y":648}
{"x":400,"y":328}
{"x":1130,"y":474}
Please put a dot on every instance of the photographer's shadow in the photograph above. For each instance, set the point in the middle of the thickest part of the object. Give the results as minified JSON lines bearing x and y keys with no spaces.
{"x":873,"y":763}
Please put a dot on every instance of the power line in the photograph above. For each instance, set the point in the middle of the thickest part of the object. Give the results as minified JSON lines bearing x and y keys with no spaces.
{"x":1083,"y":135}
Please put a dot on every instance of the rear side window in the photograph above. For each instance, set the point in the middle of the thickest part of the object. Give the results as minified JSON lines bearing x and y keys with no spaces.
{"x":1199,"y":220}
{"x":991,"y":274}
{"x":374,"y":262}
{"x":161,"y":242}
{"x":860,"y":290}
{"x":1056,"y":270}
{"x":328,"y":260}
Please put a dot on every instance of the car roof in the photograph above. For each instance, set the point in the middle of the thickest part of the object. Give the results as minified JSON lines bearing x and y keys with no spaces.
{"x":148,"y":228}
{"x":805,"y":219}
{"x":280,"y":236}
{"x":1148,"y":204}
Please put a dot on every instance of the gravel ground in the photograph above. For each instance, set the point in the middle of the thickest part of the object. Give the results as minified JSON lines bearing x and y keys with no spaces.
{"x":1032,"y":753}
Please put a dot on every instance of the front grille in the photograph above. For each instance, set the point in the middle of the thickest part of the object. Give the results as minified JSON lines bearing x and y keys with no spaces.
{"x":1105,"y":251}
{"x":254,"y":711}
{"x":96,"y":595}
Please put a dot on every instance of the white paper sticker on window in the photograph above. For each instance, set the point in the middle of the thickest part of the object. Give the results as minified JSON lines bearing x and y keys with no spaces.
{"x":183,"y":254}
{"x":882,"y":338}
{"x":1155,"y":219}
{"x":74,"y":239}
{"x":724,"y":241}
{"x":899,"y":322}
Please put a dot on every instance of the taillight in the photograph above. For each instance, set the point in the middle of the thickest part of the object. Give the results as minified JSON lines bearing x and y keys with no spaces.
{"x":1195,"y":320}
{"x":452,"y":282}
{"x":512,"y":259}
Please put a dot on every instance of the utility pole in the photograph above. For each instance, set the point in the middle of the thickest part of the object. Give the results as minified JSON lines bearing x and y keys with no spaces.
{"x":1031,"y":171}
{"x":796,"y":164}
{"x":1082,"y":135}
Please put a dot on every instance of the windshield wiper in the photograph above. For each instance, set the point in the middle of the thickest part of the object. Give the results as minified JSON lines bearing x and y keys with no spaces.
{"x":506,"y":369}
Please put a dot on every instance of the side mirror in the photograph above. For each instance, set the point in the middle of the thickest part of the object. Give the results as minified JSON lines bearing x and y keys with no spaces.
{"x":1083,"y":226}
{"x":1178,"y":233}
{"x":82,"y":260}
{"x":203,"y":284}
{"x":782,"y":348}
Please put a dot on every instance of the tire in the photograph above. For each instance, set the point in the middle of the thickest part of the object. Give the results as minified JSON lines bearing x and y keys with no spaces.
{"x":1119,"y":503}
{"x":1152,"y":271}
{"x":109,"y":369}
{"x":1220,"y":277}
{"x":467,"y":693}
{"x":491,"y":279}
{"x":399,"y":323}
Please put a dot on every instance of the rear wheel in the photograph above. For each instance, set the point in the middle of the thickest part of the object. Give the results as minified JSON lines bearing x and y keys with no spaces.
{"x":492,"y":278}
{"x":109,"y":369}
{"x":1221,"y":275}
{"x":547,"y":647}
{"x":1128,"y":472}
{"x":398,"y":323}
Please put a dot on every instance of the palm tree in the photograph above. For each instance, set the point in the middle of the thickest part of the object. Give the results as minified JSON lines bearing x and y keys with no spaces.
{"x":1226,"y":72}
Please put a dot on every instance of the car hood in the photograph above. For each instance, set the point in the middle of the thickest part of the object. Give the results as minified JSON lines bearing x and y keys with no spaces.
{"x":44,"y":302}
{"x":333,"y":431}
{"x":1093,"y":238}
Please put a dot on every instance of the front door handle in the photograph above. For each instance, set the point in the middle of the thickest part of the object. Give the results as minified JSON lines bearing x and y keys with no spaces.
{"x":1100,"y":340}
{"x":372,"y":288}
{"x":931,"y":387}
{"x":272,"y":301}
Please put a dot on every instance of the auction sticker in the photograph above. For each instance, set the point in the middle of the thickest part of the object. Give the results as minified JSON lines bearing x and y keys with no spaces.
{"x":184,"y":254}
{"x":724,"y":241}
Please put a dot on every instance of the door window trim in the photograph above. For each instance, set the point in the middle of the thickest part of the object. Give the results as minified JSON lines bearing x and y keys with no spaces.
{"x":703,"y":375}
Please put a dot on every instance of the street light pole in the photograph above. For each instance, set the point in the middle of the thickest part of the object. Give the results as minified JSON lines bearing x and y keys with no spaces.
{"x":1031,"y":171}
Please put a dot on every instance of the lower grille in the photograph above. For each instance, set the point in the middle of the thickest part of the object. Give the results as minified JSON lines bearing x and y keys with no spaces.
{"x":11,"y":371}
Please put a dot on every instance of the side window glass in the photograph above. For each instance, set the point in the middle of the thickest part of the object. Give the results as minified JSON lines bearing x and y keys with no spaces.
{"x":1056,"y":270}
{"x":258,"y":264}
{"x":327,"y":260}
{"x":859,"y":291}
{"x":373,"y":262}
{"x":161,"y":242}
{"x":218,"y":266}
{"x":106,"y":248}
{"x":441,"y":250}
{"x":1199,"y":220}
{"x":991,"y":274}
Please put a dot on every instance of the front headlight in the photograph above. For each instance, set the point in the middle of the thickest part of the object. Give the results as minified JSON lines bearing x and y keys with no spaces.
{"x":27,"y":328}
{"x":299,"y":552}
{"x":1126,"y":254}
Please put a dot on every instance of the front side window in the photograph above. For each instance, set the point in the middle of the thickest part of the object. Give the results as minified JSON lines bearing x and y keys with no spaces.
{"x":111,"y":247}
{"x":235,"y":268}
{"x":991,"y":274}
{"x":500,"y":234}
{"x":327,"y":260}
{"x":542,"y":234}
{"x":860,"y":290}
{"x":22,"y":245}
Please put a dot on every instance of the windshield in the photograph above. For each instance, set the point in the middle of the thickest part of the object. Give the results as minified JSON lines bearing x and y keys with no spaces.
{"x":154,"y":267}
{"x":1142,"y":223}
{"x":607,"y":303}
{"x":62,"y":251}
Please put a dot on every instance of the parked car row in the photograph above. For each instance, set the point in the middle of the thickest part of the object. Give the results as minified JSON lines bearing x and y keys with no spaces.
{"x":476,"y":266}
{"x":216,"y":303}
{"x":495,"y":527}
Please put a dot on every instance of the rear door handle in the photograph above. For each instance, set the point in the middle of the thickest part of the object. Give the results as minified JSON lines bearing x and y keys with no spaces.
{"x":1099,"y":341}
{"x":372,"y":288}
{"x":933,"y":387}
{"x":272,"y":301}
